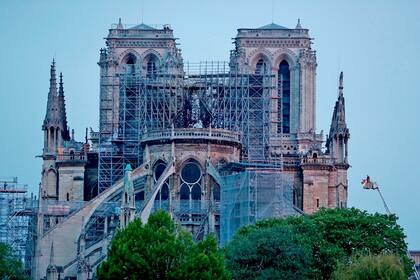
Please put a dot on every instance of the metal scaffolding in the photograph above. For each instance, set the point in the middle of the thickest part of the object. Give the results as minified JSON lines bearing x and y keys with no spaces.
{"x":17,"y":219}
{"x":254,"y":194}
{"x":207,"y":95}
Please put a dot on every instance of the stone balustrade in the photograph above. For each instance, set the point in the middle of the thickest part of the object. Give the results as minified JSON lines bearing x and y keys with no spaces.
{"x":306,"y":160}
{"x":61,"y":157}
{"x":192,"y":133}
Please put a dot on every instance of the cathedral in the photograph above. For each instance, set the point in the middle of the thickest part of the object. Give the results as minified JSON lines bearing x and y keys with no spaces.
{"x":217,"y":144}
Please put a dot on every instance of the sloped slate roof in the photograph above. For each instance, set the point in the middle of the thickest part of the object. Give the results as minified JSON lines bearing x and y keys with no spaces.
{"x":143,"y":27}
{"x":272,"y":26}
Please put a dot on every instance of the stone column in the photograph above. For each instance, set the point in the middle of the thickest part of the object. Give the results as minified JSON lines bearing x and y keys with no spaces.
{"x":345,"y":149}
{"x":295,"y":99}
{"x":45,"y":140}
{"x":55,"y":139}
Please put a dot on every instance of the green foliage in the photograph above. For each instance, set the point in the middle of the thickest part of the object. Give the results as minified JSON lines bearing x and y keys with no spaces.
{"x":268,"y":253}
{"x":372,"y":267}
{"x":10,"y":267}
{"x":332,"y":236}
{"x":161,"y":250}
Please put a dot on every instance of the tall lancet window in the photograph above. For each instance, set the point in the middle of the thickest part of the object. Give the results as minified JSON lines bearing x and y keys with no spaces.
{"x":284,"y":98}
{"x":261,"y":67}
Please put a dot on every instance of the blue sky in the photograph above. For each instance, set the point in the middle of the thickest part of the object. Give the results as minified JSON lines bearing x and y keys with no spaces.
{"x":375,"y":43}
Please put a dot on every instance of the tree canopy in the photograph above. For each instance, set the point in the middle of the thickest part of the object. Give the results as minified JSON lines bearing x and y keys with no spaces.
{"x":161,"y":250}
{"x":10,"y":267}
{"x":268,"y":253}
{"x":330,"y":236}
{"x":375,"y":267}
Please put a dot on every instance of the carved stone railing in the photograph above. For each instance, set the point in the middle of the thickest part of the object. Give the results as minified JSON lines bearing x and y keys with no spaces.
{"x":327,"y":161}
{"x":61,"y":157}
{"x":291,"y":161}
{"x":311,"y":136}
{"x":299,"y":136}
{"x":192,"y":133}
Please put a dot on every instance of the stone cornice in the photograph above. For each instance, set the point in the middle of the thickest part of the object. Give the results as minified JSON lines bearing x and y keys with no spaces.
{"x":275,"y":43}
{"x":317,"y":166}
{"x":343,"y":166}
{"x":140,"y":43}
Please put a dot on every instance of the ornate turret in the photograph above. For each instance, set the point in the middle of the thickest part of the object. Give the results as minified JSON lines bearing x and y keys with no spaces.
{"x":339,"y":133}
{"x":55,"y":122}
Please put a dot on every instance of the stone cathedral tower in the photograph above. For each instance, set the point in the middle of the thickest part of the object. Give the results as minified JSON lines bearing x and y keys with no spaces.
{"x":320,"y":176}
{"x":287,"y":54}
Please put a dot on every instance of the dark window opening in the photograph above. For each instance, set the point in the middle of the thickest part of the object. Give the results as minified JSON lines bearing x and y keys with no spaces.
{"x":184,"y":192}
{"x":139,"y":196}
{"x":196,"y":192}
{"x":191,"y":173}
{"x":216,"y":193}
{"x":130,"y":64}
{"x":164,"y":195}
{"x":261,"y":67}
{"x":158,"y":170}
{"x":283,"y":105}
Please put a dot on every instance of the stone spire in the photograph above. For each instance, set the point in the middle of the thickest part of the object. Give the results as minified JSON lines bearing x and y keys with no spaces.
{"x":339,"y":133}
{"x":52,"y":254}
{"x":55,"y":122}
{"x":339,"y":116}
{"x":52,"y":269}
{"x":62,"y":110}
{"x":52,"y":96}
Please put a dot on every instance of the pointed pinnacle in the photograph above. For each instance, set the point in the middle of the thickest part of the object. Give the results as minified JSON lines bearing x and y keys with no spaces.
{"x":53,"y":84}
{"x":298,"y":26}
{"x":52,"y":253}
{"x":61,"y":88}
{"x":119,"y":26}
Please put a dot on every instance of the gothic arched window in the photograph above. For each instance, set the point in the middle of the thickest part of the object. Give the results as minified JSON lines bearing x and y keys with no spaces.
{"x":261,"y":67}
{"x":284,"y":98}
{"x":191,"y":176}
{"x":130,"y":61}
